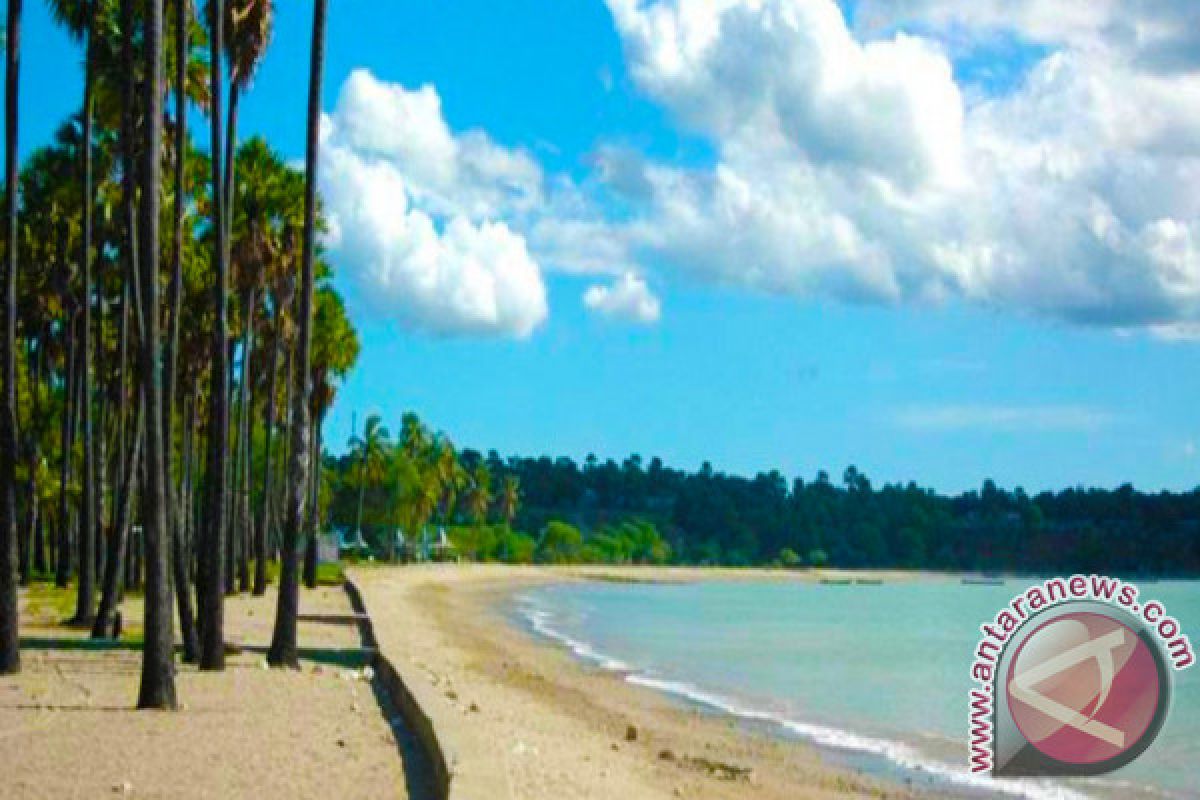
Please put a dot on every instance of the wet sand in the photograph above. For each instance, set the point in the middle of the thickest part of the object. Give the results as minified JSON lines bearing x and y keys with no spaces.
{"x":523,"y":719}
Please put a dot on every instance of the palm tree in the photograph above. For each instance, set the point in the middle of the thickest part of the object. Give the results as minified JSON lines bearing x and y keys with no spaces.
{"x":180,"y":572}
{"x":79,"y":18}
{"x":247,"y":33}
{"x":10,"y":646}
{"x":157,"y":689}
{"x":510,"y":498}
{"x":248,"y":25}
{"x":450,"y":476}
{"x":335,"y":349}
{"x":211,"y":578}
{"x":371,"y":453}
{"x":479,"y":496}
{"x":283,"y":650}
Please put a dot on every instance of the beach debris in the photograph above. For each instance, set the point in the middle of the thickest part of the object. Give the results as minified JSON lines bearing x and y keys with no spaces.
{"x":666,"y":755}
{"x":521,"y":749}
{"x":615,"y":747}
{"x":631,"y":733}
{"x":718,"y":769}
{"x":124,"y":787}
{"x":341,"y":742}
{"x":355,"y":707}
{"x":474,"y":708}
{"x":368,"y":674}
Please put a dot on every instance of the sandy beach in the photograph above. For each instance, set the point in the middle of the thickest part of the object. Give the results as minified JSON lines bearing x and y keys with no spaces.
{"x":527,"y":720}
{"x":68,"y":728}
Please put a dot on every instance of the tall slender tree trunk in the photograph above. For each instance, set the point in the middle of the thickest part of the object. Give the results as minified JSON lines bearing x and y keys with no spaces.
{"x":37,"y":517}
{"x":283,"y":651}
{"x":10,"y":644}
{"x":231,"y":474}
{"x":110,"y":591}
{"x":286,"y":438}
{"x":231,"y":155}
{"x":86,"y":586}
{"x":264,"y":521}
{"x":244,"y":519}
{"x":311,"y":554}
{"x":25,"y":539}
{"x":212,"y":549}
{"x":62,"y":571}
{"x":157,"y":689}
{"x":175,"y":512}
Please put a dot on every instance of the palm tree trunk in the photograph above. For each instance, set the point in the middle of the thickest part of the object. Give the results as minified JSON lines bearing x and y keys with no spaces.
{"x":35,"y":557}
{"x":243,"y":486}
{"x":231,"y":506}
{"x":86,"y":590}
{"x":176,"y":512}
{"x":10,"y":645}
{"x":286,"y":437}
{"x":264,"y":522}
{"x":283,"y":651}
{"x":157,"y":689}
{"x":62,"y":571}
{"x":118,"y":538}
{"x":211,"y":583}
{"x":310,"y":550}
{"x":231,"y":156}
{"x":25,"y":531}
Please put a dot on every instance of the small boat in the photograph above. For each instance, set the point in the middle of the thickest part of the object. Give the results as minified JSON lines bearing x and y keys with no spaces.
{"x":835,"y":581}
{"x":868,"y":581}
{"x":982,"y":581}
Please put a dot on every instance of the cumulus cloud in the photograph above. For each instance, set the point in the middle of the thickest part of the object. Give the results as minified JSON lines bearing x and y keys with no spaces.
{"x":857,"y":166}
{"x":627,"y":298}
{"x":422,"y":218}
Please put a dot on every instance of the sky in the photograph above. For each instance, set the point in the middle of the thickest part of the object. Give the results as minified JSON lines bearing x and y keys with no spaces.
{"x":941,"y":241}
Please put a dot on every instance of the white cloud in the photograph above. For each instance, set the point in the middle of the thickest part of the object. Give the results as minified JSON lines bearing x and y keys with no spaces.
{"x":861,"y":169}
{"x":1001,"y":419}
{"x":420,"y":217}
{"x":627,"y":298}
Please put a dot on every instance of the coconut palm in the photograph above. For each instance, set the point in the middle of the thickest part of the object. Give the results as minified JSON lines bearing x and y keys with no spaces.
{"x":479,"y":497}
{"x":79,"y":18}
{"x":370,"y":451}
{"x":211,"y":579}
{"x":335,"y":349}
{"x":180,"y":572}
{"x":157,"y":690}
{"x":10,"y":652}
{"x":283,"y":650}
{"x":510,"y":498}
{"x":248,"y":26}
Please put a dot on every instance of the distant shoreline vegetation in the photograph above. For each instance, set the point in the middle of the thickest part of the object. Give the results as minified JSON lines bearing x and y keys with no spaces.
{"x":544,"y":510}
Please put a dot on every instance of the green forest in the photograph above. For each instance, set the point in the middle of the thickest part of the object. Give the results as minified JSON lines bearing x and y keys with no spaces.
{"x":554,"y":510}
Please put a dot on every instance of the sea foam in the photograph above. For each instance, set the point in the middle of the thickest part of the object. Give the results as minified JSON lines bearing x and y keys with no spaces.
{"x":542,"y":621}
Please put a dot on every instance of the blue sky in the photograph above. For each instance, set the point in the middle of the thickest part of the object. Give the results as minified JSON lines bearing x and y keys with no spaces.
{"x":1015,"y":374}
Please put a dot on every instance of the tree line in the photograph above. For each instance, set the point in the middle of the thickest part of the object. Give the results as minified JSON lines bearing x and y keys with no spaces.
{"x":555,"y":510}
{"x":171,"y":338}
{"x":710,"y":517}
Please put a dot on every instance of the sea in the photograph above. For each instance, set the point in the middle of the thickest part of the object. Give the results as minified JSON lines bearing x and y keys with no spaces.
{"x":875,"y":676}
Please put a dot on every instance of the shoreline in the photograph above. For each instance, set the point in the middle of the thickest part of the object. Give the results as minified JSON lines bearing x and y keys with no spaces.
{"x":570,"y":730}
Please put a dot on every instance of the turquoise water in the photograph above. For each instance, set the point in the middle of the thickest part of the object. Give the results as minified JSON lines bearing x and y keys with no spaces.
{"x":876,"y":675}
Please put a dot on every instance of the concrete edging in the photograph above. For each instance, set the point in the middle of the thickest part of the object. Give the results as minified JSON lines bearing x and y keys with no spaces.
{"x":398,"y":691}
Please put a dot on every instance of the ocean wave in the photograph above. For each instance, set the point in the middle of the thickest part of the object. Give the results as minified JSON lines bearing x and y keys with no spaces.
{"x":541,"y":620}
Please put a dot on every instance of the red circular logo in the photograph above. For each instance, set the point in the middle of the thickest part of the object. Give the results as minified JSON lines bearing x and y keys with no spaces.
{"x":1083,"y":688}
